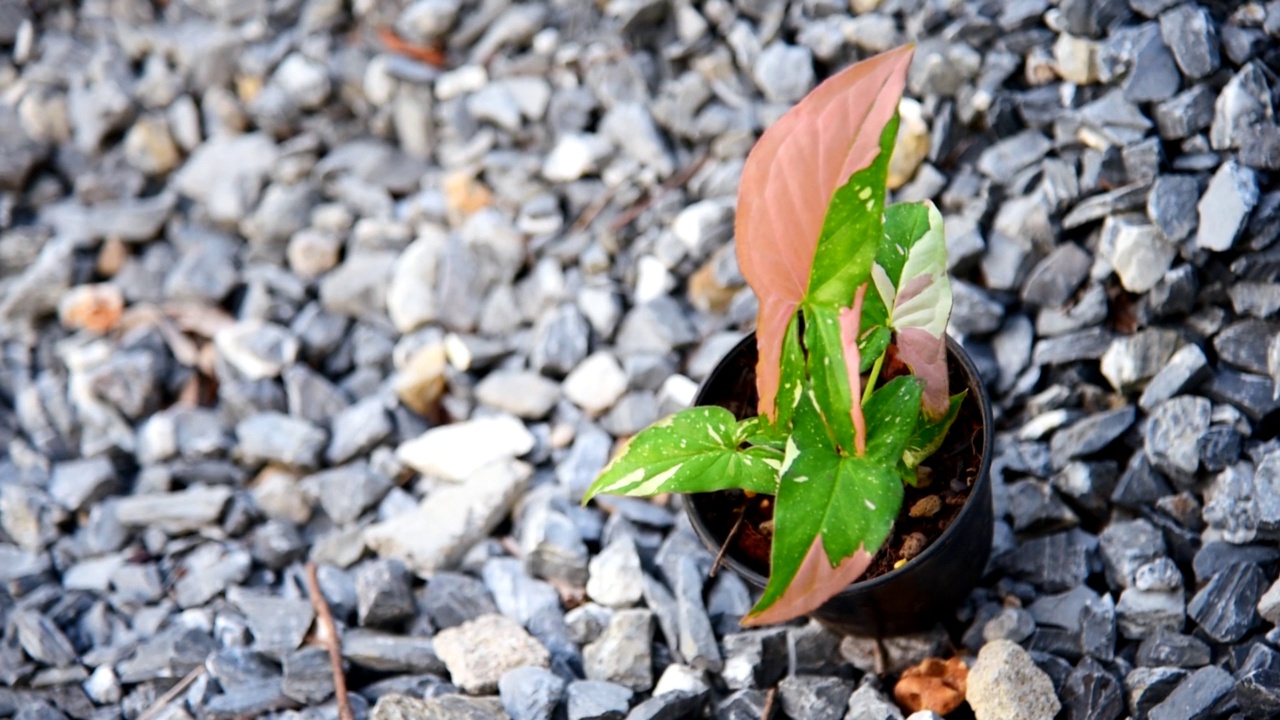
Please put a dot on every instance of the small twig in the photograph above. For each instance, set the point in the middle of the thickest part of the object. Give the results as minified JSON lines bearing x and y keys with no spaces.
{"x":715,"y":566}
{"x":172,"y":693}
{"x":329,"y":636}
{"x":592,"y":211}
{"x":672,"y":182}
{"x":767,"y":710}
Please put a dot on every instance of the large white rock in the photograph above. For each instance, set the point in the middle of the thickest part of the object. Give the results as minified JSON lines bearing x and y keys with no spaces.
{"x":1005,"y":684}
{"x":457,"y":451}
{"x":450,"y":520}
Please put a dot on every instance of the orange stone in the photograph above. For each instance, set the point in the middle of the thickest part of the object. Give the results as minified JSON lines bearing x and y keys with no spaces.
{"x":91,"y":307}
{"x":934,"y":684}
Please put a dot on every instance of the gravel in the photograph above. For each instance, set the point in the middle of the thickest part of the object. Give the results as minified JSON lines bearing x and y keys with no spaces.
{"x":269,"y":297}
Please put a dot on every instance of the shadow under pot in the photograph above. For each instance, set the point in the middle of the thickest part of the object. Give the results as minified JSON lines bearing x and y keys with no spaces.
{"x":929,"y":563}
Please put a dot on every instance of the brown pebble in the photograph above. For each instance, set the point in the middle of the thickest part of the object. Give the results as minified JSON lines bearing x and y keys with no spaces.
{"x":927,"y":506}
{"x":934,"y":684}
{"x":913,"y":545}
{"x":111,"y":256}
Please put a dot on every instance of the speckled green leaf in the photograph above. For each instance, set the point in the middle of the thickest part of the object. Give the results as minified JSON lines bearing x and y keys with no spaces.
{"x":928,"y":436}
{"x":829,"y":373}
{"x":694,"y":450}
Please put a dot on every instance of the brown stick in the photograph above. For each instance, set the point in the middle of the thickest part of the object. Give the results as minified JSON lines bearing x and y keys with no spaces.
{"x":673,"y":182}
{"x":172,"y":693}
{"x":328,"y":633}
{"x":715,"y":566}
{"x":767,"y":710}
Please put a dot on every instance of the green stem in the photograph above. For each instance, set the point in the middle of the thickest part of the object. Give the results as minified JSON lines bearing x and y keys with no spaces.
{"x":871,"y":380}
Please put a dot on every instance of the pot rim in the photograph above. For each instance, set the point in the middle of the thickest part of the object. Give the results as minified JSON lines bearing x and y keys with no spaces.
{"x":858,"y":586}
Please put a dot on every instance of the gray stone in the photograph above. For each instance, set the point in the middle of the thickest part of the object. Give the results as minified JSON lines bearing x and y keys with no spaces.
{"x":530,"y":693}
{"x":754,"y":659}
{"x":1009,"y":156}
{"x":77,"y":483}
{"x":1225,"y":206}
{"x":358,"y":287}
{"x":1132,"y":359}
{"x":308,"y":676}
{"x":1083,"y":345}
{"x":1159,"y":574}
{"x":226,"y":174}
{"x":1127,"y":546}
{"x":1054,"y":562}
{"x":1246,"y":345}
{"x":1090,"y":435}
{"x":522,"y":393}
{"x":1055,"y":279}
{"x":278,"y":624}
{"x":1184,"y":369}
{"x":452,"y":598}
{"x":784,"y":73}
{"x":1139,"y":613}
{"x":1196,"y":696}
{"x":1147,"y":687}
{"x":385,"y":652}
{"x":811,"y":696}
{"x":1243,"y":103}
{"x":1170,"y":206}
{"x":383,"y":594}
{"x":41,"y":639}
{"x":868,"y":702}
{"x":1153,"y":74}
{"x":1174,"y":428}
{"x":276,"y":437}
{"x":1192,"y":36}
{"x":515,"y":593}
{"x":596,"y":700}
{"x":357,"y":429}
{"x":479,"y":652}
{"x":622,"y":653}
{"x":615,"y":578}
{"x":1226,"y":608}
{"x":346,"y":492}
{"x":973,"y":311}
{"x":559,"y":341}
{"x":459,"y":515}
{"x":176,"y":512}
{"x":1169,"y":649}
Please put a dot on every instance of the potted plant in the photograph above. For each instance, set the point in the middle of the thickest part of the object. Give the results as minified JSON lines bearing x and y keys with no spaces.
{"x":829,"y":447}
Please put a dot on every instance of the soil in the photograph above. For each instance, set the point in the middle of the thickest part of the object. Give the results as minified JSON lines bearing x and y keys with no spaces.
{"x":926,"y":513}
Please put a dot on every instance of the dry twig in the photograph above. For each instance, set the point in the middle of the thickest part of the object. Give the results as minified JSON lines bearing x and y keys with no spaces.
{"x":328,"y":633}
{"x":171,"y":694}
{"x":672,"y":183}
{"x":715,"y":566}
{"x":767,"y":710}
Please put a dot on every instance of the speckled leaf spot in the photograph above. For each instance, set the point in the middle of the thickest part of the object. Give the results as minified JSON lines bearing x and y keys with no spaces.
{"x":694,"y":450}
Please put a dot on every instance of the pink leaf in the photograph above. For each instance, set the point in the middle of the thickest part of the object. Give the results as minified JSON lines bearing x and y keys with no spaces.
{"x":926,"y":355}
{"x":850,"y":321}
{"x":814,"y":583}
{"x":788,"y":181}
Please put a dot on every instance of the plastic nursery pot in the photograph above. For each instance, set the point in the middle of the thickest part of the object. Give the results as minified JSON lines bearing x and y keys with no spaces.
{"x":915,"y":596}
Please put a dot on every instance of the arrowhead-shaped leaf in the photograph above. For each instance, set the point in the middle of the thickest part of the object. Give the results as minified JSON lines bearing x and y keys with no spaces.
{"x":910,"y":276}
{"x":929,"y":435}
{"x":695,"y":450}
{"x":836,"y":511}
{"x":788,"y":182}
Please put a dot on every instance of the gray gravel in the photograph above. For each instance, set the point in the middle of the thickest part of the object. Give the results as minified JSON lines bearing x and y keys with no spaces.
{"x":274,"y":289}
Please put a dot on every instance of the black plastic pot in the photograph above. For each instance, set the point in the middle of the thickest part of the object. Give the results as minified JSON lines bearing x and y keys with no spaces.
{"x":923,"y":591}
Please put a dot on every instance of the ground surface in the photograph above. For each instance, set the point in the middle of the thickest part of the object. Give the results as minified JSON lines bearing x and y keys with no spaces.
{"x":254,"y":254}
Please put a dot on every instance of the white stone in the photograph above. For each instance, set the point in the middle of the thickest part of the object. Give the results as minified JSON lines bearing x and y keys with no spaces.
{"x":522,"y":393}
{"x":1005,"y":684}
{"x":411,"y":295}
{"x":574,"y":156}
{"x":596,"y":384}
{"x":305,"y":81}
{"x":460,"y":81}
{"x":436,"y":534}
{"x":457,"y":451}
{"x":257,"y":349}
{"x":1136,"y":250}
{"x":653,"y":280}
{"x":704,"y":225}
{"x":614,"y":576}
{"x":1269,"y":604}
{"x":103,"y":686}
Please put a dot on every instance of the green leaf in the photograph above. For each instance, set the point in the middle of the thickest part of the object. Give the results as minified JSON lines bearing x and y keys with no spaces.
{"x":928,"y":436}
{"x":758,"y":431}
{"x":852,"y":230}
{"x":695,"y":450}
{"x":872,"y":344}
{"x":904,"y":224}
{"x":791,"y":373}
{"x":892,"y":414}
{"x":830,"y":375}
{"x":847,"y":502}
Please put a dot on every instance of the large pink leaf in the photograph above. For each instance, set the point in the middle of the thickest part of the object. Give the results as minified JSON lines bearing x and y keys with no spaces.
{"x":788,"y":181}
{"x":814,"y":583}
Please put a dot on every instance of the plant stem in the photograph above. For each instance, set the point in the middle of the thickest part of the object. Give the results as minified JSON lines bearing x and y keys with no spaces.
{"x":742,"y":514}
{"x":871,"y":380}
{"x":328,"y":633}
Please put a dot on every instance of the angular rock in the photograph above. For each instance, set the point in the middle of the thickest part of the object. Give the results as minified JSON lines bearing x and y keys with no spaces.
{"x":458,"y":451}
{"x":622,"y":652}
{"x":1226,"y":608}
{"x":811,"y":696}
{"x":1175,"y":427}
{"x":1196,"y":696}
{"x":1225,"y":205}
{"x":1004,"y":684}
{"x":596,"y":700}
{"x":479,"y":652}
{"x":530,"y":693}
